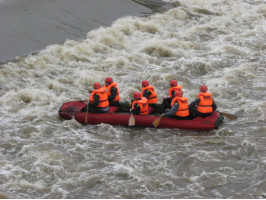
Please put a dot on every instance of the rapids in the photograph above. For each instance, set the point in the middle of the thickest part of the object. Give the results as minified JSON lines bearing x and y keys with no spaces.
{"x":220,"y":43}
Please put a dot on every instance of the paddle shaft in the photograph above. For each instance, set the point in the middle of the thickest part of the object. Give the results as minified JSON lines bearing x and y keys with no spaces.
{"x":157,"y":122}
{"x":228,"y":115}
{"x":86,"y":116}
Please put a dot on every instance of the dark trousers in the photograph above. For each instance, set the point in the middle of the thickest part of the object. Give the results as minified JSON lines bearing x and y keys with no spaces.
{"x":114,"y":103}
{"x":92,"y":109}
{"x":181,"y":118}
{"x":124,"y":106}
{"x":157,"y":108}
{"x":194,"y":112}
{"x":166,"y":104}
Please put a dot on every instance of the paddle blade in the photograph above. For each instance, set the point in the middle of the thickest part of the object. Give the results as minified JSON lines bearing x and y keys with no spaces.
{"x":131,"y":121}
{"x":156,"y":122}
{"x":86,"y":115}
{"x":230,"y":116}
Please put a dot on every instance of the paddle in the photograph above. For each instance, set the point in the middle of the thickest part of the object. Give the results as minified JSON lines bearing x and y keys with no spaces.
{"x":87,"y":110}
{"x":86,"y":116}
{"x":131,"y":121}
{"x":230,"y":116}
{"x":157,"y":121}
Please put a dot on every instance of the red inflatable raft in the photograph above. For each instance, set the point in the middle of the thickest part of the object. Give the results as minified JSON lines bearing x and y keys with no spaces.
{"x":73,"y":109}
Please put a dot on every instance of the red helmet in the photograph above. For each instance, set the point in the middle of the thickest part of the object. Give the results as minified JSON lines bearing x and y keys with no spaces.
{"x":108,"y":80}
{"x":203,"y":88}
{"x":97,"y":85}
{"x":145,"y":83}
{"x":173,"y":82}
{"x":137,"y":95}
{"x":179,"y":94}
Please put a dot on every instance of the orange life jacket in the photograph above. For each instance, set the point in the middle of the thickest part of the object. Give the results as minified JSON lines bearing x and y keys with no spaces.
{"x":114,"y":84}
{"x":205,"y":104}
{"x":103,"y":97}
{"x":143,"y":104}
{"x":153,"y":97}
{"x":175,"y":88}
{"x":183,"y":106}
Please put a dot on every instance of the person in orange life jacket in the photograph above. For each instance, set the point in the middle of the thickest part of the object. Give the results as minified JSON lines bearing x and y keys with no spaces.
{"x":179,"y":107}
{"x":139,"y":105}
{"x":174,"y":87}
{"x":148,"y":91}
{"x":112,"y":92}
{"x":98,"y":100}
{"x":204,"y":104}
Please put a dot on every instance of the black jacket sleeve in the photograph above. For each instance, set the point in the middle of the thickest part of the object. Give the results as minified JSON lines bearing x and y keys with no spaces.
{"x":214,"y":106}
{"x":113,"y":92}
{"x":136,"y":109}
{"x":96,"y":100}
{"x":147,"y":93}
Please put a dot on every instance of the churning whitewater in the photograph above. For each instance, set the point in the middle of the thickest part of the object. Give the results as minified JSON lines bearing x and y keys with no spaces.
{"x":220,"y":43}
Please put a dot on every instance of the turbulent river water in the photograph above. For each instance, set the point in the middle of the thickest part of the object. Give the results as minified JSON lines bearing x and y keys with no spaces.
{"x":220,"y":43}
